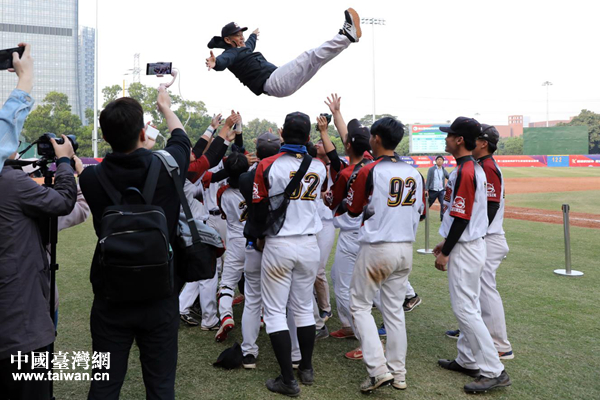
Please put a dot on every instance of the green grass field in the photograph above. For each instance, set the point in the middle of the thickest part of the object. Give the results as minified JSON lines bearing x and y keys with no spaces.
{"x":586,"y":201}
{"x":552,"y":324}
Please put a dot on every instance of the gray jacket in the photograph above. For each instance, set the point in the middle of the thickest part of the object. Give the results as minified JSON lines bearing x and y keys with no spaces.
{"x":24,"y":272}
{"x":431,"y":178}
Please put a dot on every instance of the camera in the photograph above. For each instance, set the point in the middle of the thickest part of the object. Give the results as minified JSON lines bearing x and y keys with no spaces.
{"x":328,"y":116}
{"x":45,"y":148}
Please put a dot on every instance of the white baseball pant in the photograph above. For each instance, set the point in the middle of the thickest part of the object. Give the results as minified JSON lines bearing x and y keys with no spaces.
{"x":325,"y":239}
{"x":220,"y":225}
{"x":381,"y":267}
{"x":207,"y":289}
{"x":289,"y":269}
{"x":233,"y":268}
{"x":252,"y":302}
{"x":492,"y":310}
{"x":341,"y":273}
{"x":475,"y":345}
{"x":290,"y":77}
{"x":410,"y":291}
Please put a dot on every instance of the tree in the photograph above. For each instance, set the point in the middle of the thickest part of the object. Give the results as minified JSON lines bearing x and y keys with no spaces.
{"x":54,"y":116}
{"x":253,"y":129}
{"x":510,"y":146}
{"x":367,"y":120}
{"x":592,"y":121}
{"x":111,"y":93}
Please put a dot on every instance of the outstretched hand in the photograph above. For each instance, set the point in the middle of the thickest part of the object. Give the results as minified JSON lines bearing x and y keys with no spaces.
{"x":256,"y":32}
{"x":211,"y":61}
{"x":333,"y":103}
{"x":322,"y":124}
{"x":216,"y":121}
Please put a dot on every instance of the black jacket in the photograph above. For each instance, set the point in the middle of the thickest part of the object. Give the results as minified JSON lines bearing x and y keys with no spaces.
{"x":126,"y":170}
{"x":251,"y":68}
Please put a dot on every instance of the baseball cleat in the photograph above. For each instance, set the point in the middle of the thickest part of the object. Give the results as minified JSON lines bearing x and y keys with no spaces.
{"x":190,"y":321}
{"x":452,"y":365}
{"x":238,"y":300}
{"x":322,"y":333}
{"x":453,"y":334}
{"x":398,"y":384}
{"x":373,"y":382}
{"x":381,"y":331}
{"x":343,"y":333}
{"x":412,"y":303}
{"x":249,"y":361}
{"x":226,"y":326}
{"x":355,"y":354}
{"x":483,"y":384}
{"x":277,"y":385}
{"x":351,"y":28}
{"x":506,"y":355}
{"x":215,"y":327}
{"x":306,"y":376}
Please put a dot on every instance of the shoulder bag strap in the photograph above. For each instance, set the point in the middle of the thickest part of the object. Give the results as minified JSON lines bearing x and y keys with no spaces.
{"x":295,"y":182}
{"x":114,"y":195}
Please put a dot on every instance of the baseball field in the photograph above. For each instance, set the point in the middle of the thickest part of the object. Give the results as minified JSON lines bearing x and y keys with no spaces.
{"x":553,"y":322}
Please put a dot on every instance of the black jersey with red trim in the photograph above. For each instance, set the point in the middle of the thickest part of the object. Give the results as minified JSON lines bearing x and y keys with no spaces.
{"x":272,"y":177}
{"x":495,"y":192}
{"x":465,"y":197}
{"x":389,"y":194}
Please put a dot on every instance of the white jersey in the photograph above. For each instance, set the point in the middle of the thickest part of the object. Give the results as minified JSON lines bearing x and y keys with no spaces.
{"x":495,"y":192}
{"x":389,"y":193}
{"x":233,"y":209}
{"x":324,"y":212}
{"x":465,"y":197}
{"x":272,"y":177}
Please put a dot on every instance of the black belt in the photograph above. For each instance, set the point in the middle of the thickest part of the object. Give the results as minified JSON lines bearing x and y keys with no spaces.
{"x":215,"y":212}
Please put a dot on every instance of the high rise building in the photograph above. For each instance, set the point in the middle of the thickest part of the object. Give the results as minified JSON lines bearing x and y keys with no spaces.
{"x":51,"y":27}
{"x":87,"y":46}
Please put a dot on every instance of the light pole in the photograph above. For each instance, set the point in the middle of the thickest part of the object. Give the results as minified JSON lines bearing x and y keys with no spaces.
{"x":547,"y":84}
{"x":373,"y":22}
{"x":95,"y":135}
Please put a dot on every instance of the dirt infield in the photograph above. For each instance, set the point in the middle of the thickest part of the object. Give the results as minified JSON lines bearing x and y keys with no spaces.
{"x":547,"y":185}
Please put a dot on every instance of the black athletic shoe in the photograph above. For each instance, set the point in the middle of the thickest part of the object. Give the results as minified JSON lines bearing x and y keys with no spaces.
{"x":453,"y":334}
{"x":190,"y":321}
{"x":452,"y":365}
{"x":249,"y":361}
{"x":306,"y":376}
{"x":278,"y":386}
{"x":483,"y":384}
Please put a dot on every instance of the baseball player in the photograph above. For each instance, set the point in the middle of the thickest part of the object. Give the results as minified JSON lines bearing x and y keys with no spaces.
{"x":233,"y":209}
{"x":463,"y":249}
{"x":254,"y":71}
{"x":291,"y":257}
{"x":492,"y":310}
{"x":389,"y":194}
{"x":267,"y":145}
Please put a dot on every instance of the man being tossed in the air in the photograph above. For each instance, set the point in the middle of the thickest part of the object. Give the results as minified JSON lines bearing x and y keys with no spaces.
{"x":254,"y":71}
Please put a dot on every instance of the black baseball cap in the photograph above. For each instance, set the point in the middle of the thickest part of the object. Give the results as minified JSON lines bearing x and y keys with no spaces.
{"x":468,"y":128}
{"x":358,"y":135}
{"x":296,"y":124}
{"x":489,"y":133}
{"x":267,"y":144}
{"x":231,"y":29}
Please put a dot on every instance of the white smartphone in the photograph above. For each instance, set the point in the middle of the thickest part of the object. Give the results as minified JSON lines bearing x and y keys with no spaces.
{"x":152,"y":132}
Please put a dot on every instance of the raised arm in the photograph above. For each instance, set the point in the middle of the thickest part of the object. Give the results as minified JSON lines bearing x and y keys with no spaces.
{"x":338,"y":120}
{"x":164,"y":106}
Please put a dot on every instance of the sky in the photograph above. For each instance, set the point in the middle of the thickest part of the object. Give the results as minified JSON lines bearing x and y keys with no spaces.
{"x":432,"y":60}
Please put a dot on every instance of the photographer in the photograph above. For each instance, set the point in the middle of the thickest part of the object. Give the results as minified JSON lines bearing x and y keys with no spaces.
{"x":18,"y":104}
{"x":152,"y":323}
{"x":24,"y":269}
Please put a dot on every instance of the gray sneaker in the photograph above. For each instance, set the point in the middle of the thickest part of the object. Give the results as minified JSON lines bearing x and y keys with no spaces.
{"x":322,"y":333}
{"x":351,"y":28}
{"x":373,"y":382}
{"x":483,"y":384}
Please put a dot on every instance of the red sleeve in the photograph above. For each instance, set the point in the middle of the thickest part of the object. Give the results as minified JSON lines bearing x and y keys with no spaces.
{"x":206,"y":178}
{"x":338,"y":190}
{"x":259,"y":190}
{"x":358,"y":194}
{"x":423,"y":214}
{"x":219,"y":195}
{"x":494,"y":183}
{"x":198,"y":167}
{"x":464,"y":192}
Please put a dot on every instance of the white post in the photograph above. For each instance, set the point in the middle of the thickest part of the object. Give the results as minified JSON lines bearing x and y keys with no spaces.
{"x":95,"y":134}
{"x":567,"y":271}
{"x":426,"y":250}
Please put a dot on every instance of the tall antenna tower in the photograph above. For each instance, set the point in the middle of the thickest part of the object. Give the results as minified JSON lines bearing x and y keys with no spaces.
{"x":136,"y":68}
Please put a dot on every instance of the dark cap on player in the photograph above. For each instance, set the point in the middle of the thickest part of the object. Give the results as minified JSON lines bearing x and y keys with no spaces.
{"x":267,"y":145}
{"x":489,"y":133}
{"x":358,"y":135}
{"x":231,"y":29}
{"x":469,"y":128}
{"x":296,"y":124}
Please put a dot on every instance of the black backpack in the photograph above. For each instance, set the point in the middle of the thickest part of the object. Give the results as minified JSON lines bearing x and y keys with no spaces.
{"x":136,"y":259}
